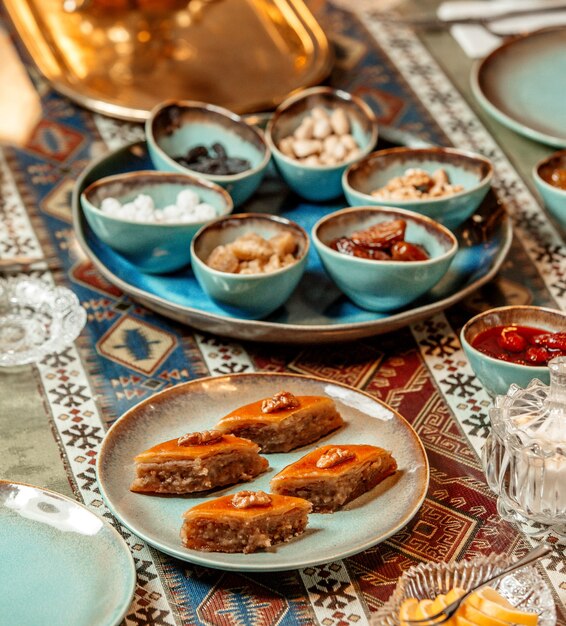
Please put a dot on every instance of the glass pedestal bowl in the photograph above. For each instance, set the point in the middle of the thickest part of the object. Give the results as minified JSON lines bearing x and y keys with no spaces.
{"x":525,"y":589}
{"x":524,"y":456}
{"x":36,"y":319}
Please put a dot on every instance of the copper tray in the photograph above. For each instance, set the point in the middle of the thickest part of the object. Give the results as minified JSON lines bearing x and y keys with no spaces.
{"x":246,"y":55}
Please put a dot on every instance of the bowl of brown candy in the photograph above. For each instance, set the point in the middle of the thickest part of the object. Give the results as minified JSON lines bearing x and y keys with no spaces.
{"x":249,"y":263}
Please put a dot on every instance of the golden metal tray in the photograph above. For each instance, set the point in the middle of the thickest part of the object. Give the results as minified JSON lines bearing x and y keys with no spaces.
{"x":122,"y":57}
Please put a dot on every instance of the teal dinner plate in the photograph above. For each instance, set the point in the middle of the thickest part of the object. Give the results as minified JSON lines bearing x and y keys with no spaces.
{"x":198,"y":405}
{"x":522,"y":84}
{"x":317,"y":311}
{"x":60,"y":563}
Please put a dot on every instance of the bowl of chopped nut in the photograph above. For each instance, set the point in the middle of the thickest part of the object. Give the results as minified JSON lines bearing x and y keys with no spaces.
{"x":444,"y":184}
{"x":150,"y":217}
{"x":250,"y":263}
{"x":208,"y":141}
{"x":383,"y":258}
{"x":315,"y":135}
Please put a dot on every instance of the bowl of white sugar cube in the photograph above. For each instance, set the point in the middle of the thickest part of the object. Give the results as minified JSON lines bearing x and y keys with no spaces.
{"x":151,"y":217}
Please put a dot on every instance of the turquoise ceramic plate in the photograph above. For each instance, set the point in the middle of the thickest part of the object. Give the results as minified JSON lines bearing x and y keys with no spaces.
{"x":317,"y":311}
{"x":522,"y":85}
{"x":197,"y":405}
{"x":61,"y":564}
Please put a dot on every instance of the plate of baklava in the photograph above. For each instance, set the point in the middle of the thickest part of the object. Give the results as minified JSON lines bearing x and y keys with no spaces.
{"x":262,"y":472}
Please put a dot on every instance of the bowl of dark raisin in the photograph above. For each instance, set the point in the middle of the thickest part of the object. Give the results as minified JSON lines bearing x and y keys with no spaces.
{"x":383,"y":258}
{"x":208,"y":141}
{"x":513,"y":344}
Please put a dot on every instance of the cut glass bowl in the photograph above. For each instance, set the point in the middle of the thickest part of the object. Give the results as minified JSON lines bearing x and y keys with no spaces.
{"x":36,"y":319}
{"x":525,"y":588}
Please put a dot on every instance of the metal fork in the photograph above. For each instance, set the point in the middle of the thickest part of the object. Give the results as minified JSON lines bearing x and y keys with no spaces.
{"x":448,"y":611}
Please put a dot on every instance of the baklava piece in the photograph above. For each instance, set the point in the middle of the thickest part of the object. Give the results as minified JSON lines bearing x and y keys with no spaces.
{"x":245,"y":522}
{"x":284,"y":421}
{"x":331,"y":476}
{"x":197,"y":462}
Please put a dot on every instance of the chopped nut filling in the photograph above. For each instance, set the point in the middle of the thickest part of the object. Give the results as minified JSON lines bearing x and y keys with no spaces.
{"x":281,"y":401}
{"x":199,"y":439}
{"x":334,"y":457}
{"x":247,"y":499}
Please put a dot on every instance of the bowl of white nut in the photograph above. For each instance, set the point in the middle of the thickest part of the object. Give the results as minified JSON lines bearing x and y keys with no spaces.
{"x":151,"y":217}
{"x":315,"y":135}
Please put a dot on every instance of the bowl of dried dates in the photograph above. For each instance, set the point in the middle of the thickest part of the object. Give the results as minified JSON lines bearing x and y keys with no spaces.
{"x":513,"y":344}
{"x":315,"y":135}
{"x":249,"y":263}
{"x":383,"y":258}
{"x":445,"y":184}
{"x":208,"y":141}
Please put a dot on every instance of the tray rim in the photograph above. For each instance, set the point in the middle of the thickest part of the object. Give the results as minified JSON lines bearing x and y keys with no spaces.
{"x":44,"y":56}
{"x":260,"y":330}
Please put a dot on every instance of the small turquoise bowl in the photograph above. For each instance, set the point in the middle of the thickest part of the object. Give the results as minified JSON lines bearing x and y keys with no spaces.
{"x":384,"y":285}
{"x":155,"y":248}
{"x":496,"y":375}
{"x":174,"y":127}
{"x":252,"y":296}
{"x":472,"y":171}
{"x":318,"y":182}
{"x":553,"y":197}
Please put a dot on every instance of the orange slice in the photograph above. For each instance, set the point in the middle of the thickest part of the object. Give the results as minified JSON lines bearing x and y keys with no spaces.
{"x":480,"y":619}
{"x":407,"y":610}
{"x":462,"y":621}
{"x":491,"y":603}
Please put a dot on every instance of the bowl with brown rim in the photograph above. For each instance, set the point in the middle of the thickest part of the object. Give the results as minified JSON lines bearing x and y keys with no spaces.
{"x":471,"y":173}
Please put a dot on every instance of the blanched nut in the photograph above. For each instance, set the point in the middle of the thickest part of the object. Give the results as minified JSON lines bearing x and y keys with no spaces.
{"x":281,"y":401}
{"x":247,"y":499}
{"x":334,"y":457}
{"x":199,"y":439}
{"x":322,"y":138}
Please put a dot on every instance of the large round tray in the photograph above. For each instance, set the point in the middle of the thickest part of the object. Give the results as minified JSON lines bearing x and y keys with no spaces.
{"x":316,"y":312}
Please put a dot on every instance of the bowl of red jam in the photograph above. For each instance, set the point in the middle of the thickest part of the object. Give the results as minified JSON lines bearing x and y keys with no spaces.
{"x":550,"y":179}
{"x":513,"y":345}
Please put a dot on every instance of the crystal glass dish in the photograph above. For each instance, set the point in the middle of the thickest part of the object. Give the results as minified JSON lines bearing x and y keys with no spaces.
{"x":36,"y":319}
{"x":525,"y":453}
{"x":525,"y":588}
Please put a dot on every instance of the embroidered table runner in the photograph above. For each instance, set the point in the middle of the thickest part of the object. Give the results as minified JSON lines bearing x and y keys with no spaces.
{"x":128,"y":353}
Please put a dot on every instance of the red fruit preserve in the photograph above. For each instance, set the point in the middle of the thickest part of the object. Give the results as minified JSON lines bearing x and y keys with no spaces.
{"x":521,"y":344}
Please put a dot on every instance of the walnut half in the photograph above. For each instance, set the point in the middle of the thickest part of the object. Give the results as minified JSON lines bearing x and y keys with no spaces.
{"x":247,"y":499}
{"x":280,"y":402}
{"x":199,"y":439}
{"x":334,"y":457}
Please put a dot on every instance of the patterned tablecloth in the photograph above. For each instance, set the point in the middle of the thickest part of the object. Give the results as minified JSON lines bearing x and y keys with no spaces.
{"x":128,"y":353}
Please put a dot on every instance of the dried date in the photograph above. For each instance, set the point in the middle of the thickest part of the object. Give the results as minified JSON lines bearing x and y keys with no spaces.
{"x":380,"y":242}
